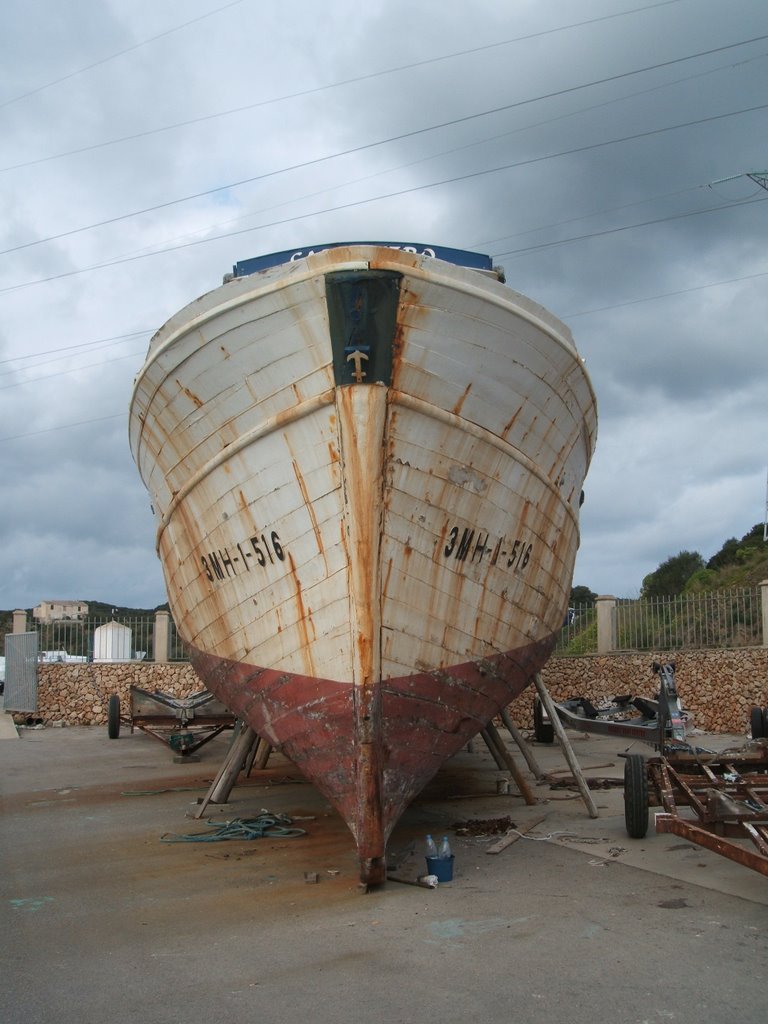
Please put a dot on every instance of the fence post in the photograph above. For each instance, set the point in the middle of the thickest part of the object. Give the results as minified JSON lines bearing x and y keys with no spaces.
{"x":764,"y":605}
{"x":20,"y":621}
{"x":160,"y":645}
{"x":605,"y":624}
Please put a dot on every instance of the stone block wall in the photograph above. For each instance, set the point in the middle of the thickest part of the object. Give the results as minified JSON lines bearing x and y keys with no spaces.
{"x":718,"y":687}
{"x":77,"y":694}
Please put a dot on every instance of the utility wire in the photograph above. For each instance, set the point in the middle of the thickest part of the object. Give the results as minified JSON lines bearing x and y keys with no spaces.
{"x":114,"y":56}
{"x":333,"y":85}
{"x":189,"y":235}
{"x":389,"y":195}
{"x":64,"y":426}
{"x":93,"y":345}
{"x":101,"y":342}
{"x":72,"y":369}
{"x":517,"y":252}
{"x":664,"y":295}
{"x":71,"y":348}
{"x":358,"y":149}
{"x":564,"y":316}
{"x":628,"y":227}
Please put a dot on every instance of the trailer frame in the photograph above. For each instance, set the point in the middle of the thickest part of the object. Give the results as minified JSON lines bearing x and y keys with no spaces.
{"x":717,"y":800}
{"x":184,"y":723}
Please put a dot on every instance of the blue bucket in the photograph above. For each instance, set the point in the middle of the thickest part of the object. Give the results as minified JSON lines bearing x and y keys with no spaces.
{"x":441,"y":868}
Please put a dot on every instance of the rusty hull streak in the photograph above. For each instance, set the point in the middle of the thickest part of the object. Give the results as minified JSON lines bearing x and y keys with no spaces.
{"x":362,"y":416}
{"x":310,"y":509}
{"x":197,"y":401}
{"x":456,"y":410}
{"x":305,"y":616}
{"x":220,"y":459}
{"x":510,"y":423}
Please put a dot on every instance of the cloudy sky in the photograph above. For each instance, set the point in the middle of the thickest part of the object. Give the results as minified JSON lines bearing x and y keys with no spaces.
{"x":598,"y":150}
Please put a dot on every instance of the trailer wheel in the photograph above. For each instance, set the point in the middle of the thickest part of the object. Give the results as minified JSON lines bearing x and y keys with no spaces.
{"x":636,"y":796}
{"x":543,"y":731}
{"x":113,"y":717}
{"x":757,"y":722}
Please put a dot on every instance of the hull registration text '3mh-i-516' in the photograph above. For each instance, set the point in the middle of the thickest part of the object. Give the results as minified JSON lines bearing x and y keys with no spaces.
{"x":366,"y":462}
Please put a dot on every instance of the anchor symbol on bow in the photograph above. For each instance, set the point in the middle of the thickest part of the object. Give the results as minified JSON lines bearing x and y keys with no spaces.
{"x":357,"y":358}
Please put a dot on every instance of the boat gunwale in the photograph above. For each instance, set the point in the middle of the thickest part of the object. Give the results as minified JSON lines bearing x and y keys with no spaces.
{"x":394,"y":260}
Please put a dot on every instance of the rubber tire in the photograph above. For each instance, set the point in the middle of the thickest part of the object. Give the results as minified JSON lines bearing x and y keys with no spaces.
{"x":636,"y":796}
{"x":544,"y":732}
{"x":113,"y":717}
{"x":757,"y":722}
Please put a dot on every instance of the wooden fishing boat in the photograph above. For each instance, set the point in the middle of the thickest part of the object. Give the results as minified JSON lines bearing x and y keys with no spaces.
{"x":366,"y":465}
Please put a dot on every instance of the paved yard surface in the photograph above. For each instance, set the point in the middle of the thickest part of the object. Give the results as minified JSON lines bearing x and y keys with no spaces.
{"x":104,"y":922}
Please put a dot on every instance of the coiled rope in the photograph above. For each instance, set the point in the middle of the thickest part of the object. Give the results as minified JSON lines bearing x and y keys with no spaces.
{"x":272,"y":826}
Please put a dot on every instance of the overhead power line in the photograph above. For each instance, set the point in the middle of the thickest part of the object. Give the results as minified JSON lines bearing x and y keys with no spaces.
{"x":626,"y":227}
{"x":72,"y":369}
{"x":71,"y":348}
{"x":358,"y":149}
{"x":664,"y":295}
{"x":759,"y":177}
{"x":389,"y":195}
{"x":114,"y":56}
{"x":189,"y":234}
{"x":64,"y":426}
{"x":333,"y":85}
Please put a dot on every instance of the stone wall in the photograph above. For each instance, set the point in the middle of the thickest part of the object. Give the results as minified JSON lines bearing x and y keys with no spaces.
{"x":77,"y":694}
{"x":718,"y":687}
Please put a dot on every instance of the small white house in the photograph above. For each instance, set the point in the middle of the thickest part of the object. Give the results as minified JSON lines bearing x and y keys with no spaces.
{"x":112,"y":642}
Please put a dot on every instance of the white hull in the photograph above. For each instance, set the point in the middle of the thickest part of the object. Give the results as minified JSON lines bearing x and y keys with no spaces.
{"x":354,"y":531}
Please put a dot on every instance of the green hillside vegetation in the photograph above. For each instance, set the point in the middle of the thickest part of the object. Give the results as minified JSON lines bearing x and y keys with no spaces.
{"x":738,"y":563}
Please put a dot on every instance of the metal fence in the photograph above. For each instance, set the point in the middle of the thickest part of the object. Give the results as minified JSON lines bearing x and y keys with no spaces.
{"x":718,"y":618}
{"x":579,"y":632}
{"x":73,"y":639}
{"x":177,"y":650}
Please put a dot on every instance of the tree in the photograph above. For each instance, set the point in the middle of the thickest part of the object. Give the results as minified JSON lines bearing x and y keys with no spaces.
{"x":725,"y":556}
{"x":671,"y":576}
{"x":582,"y":596}
{"x":728,"y":553}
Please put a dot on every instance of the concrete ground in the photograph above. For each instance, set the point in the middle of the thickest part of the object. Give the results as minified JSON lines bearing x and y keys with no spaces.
{"x":577,"y":923}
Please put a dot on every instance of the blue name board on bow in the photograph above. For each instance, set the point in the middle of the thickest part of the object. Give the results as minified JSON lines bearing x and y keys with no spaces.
{"x":461,"y":257}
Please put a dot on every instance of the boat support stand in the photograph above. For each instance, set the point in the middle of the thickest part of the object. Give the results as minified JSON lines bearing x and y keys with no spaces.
{"x":565,"y":744}
{"x":245,"y":750}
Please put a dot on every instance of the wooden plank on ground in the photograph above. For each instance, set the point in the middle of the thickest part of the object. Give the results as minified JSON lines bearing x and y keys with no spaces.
{"x":513,"y":835}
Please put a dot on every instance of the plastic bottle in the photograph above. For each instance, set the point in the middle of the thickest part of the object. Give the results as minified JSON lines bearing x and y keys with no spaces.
{"x":444,"y":852}
{"x":431,"y":847}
